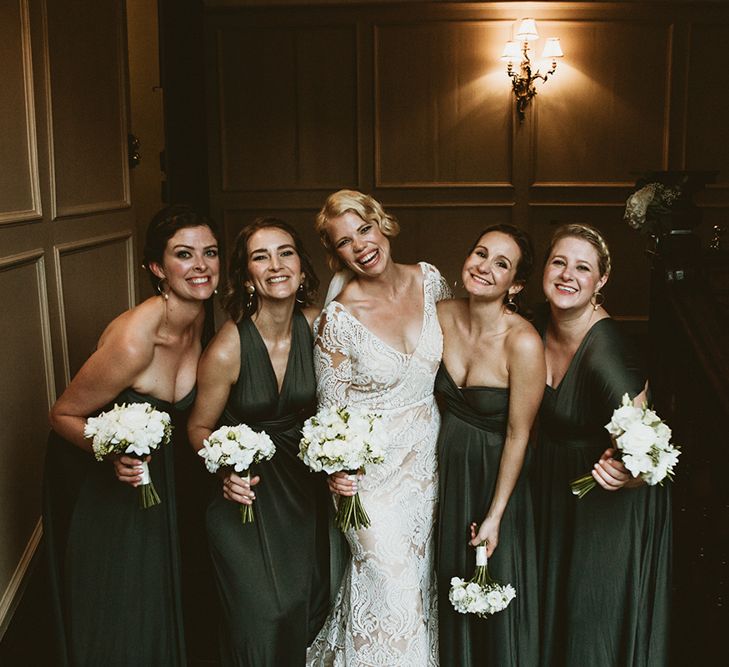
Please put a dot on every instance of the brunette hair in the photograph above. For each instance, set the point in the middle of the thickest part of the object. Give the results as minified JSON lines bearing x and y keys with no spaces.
{"x":163,"y":226}
{"x":363,"y":206}
{"x":585,"y":233}
{"x":526,"y":249}
{"x":236,"y":298}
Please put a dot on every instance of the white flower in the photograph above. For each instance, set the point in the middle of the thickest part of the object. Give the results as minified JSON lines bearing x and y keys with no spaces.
{"x":133,"y":429}
{"x":236,"y":446}
{"x":341,"y":439}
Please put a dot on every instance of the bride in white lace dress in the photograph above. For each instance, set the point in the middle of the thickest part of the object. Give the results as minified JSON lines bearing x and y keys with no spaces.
{"x":378,"y":346}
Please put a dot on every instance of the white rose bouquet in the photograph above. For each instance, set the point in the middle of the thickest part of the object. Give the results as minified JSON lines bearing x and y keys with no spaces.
{"x":481,"y":595}
{"x":644,"y":444}
{"x":136,"y":429}
{"x":343,"y":439}
{"x":238,"y":447}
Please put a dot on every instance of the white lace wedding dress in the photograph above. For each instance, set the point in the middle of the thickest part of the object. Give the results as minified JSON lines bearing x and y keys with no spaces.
{"x":385,"y":612}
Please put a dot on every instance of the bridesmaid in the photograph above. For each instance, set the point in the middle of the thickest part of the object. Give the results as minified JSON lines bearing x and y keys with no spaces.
{"x":605,"y":559}
{"x":271,"y":574}
{"x":491,"y":383}
{"x":114,"y":568}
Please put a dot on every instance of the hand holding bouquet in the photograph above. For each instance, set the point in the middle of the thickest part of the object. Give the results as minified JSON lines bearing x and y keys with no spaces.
{"x":137,"y":429}
{"x":643,"y":441}
{"x":343,"y":439}
{"x":238,"y":447}
{"x":481,"y":595}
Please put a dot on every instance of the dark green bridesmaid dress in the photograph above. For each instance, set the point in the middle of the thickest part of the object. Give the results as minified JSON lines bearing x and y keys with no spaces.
{"x":114,"y":567}
{"x":470,"y":445}
{"x":272,"y":575}
{"x":605,"y":559}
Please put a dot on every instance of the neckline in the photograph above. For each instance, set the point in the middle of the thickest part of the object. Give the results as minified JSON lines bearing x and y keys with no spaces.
{"x":577,"y":353}
{"x":407,"y":355}
{"x":174,"y":404}
{"x":264,"y":349}
{"x":469,"y":387}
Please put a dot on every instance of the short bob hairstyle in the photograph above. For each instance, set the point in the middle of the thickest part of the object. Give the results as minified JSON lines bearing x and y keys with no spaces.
{"x":363,"y":206}
{"x":236,"y":299}
{"x":585,"y":233}
{"x":163,"y":226}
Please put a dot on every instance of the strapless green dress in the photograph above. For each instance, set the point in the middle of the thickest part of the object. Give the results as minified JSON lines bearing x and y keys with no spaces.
{"x":470,"y":446}
{"x":114,"y":568}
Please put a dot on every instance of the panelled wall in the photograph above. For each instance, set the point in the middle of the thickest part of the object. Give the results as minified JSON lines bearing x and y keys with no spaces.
{"x":66,"y":230}
{"x":410,"y":102}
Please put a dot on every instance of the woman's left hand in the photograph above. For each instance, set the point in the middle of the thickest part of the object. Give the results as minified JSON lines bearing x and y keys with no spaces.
{"x":612,"y":475}
{"x":488,"y":533}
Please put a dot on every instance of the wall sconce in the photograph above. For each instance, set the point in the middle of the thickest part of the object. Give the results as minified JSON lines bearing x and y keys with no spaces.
{"x":523,"y":79}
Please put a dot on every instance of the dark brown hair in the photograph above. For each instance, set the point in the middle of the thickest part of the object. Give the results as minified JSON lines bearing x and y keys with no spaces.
{"x":235,"y":296}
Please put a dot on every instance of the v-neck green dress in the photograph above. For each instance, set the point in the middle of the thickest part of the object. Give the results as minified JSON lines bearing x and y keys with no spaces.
{"x":114,"y":569}
{"x":273,"y":574}
{"x":470,"y":446}
{"x":605,"y":559}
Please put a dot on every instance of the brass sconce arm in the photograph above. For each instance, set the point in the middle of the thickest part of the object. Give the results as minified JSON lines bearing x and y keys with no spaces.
{"x":523,"y":79}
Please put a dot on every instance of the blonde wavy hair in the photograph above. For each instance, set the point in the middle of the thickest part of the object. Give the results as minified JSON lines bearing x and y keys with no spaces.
{"x":363,"y":206}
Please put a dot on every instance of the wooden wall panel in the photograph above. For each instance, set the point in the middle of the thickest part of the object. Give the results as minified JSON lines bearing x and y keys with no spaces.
{"x":437,"y":138}
{"x":603,"y":117}
{"x":440,"y":118}
{"x":88,"y":106}
{"x":95,"y":280}
{"x":707,"y":124}
{"x":287,"y":107}
{"x":19,"y":187}
{"x":26,"y":394}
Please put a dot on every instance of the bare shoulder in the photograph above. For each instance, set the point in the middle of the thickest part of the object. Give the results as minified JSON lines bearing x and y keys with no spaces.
{"x":224,"y":348}
{"x":132,"y":335}
{"x":524,"y":340}
{"x":451,"y":311}
{"x":311,"y":313}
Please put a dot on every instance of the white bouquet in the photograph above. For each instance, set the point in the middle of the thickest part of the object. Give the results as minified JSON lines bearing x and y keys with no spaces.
{"x":481,"y":595}
{"x":238,"y":447}
{"x":343,"y":439}
{"x":136,"y":429}
{"x":644,"y":444}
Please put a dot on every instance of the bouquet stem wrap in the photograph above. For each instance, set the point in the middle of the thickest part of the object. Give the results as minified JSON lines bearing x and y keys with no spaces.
{"x":148,"y":496}
{"x":351,"y":514}
{"x":246,"y":511}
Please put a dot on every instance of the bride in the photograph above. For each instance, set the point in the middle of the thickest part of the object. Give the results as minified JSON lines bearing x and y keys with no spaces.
{"x":378,"y":346}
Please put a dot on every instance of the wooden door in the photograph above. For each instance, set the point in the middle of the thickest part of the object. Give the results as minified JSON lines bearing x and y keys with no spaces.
{"x":66,"y":232}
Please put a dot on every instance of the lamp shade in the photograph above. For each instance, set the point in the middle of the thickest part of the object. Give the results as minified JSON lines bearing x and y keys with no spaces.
{"x":527,"y":31}
{"x":552,"y":49}
{"x":511,"y":51}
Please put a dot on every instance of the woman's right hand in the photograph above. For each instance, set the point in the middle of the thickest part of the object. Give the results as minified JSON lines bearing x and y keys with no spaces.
{"x":129,"y":469}
{"x":238,"y":489}
{"x":343,"y":483}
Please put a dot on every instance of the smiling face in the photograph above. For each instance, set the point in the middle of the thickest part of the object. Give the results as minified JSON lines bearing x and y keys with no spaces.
{"x":490,"y":269}
{"x":274,"y":265}
{"x":360,"y":245}
{"x":190,"y":263}
{"x":571,"y":274}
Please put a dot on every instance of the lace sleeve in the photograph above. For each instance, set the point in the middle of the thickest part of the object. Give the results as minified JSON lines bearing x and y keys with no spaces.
{"x":332,"y":363}
{"x":441,"y":289}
